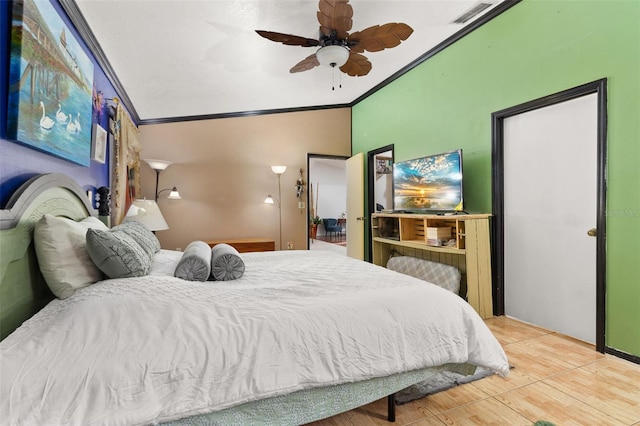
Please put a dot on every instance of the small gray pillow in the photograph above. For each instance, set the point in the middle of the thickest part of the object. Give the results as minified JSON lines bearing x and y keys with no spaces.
{"x":226,"y":263}
{"x":117,"y":254}
{"x":195,"y":263}
{"x":145,"y":238}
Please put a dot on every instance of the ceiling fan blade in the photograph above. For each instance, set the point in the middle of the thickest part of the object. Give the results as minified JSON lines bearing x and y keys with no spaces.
{"x":288,"y":39}
{"x":335,"y":15}
{"x":306,"y":64}
{"x":380,"y":37}
{"x":357,"y":65}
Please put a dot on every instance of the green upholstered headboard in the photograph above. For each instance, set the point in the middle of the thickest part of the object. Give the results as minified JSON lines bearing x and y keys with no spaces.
{"x":23,"y":291}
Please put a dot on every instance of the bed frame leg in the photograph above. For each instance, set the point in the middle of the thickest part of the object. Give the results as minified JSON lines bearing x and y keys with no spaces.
{"x":391,"y":408}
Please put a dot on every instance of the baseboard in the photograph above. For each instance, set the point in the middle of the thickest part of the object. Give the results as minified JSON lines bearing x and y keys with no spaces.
{"x":633,"y":358}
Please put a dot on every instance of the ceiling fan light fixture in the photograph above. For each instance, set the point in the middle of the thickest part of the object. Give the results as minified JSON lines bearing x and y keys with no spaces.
{"x":333,"y":56}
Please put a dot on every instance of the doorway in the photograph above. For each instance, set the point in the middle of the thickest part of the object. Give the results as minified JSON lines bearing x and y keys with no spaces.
{"x":380,"y":186}
{"x":327,"y":199}
{"x":549,"y":159}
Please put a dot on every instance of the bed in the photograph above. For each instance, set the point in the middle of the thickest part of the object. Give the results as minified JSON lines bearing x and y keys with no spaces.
{"x":284,"y":344}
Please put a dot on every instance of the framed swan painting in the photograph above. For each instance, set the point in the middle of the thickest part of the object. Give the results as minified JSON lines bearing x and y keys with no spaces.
{"x":50,"y":84}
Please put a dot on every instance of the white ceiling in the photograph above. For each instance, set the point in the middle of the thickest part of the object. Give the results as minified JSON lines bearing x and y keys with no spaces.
{"x":187,"y":59}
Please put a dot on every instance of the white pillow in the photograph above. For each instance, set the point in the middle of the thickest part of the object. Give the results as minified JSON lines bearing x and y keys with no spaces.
{"x":62,"y":255}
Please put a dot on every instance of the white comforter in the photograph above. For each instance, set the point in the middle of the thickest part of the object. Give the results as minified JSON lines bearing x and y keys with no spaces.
{"x":156,"y":348}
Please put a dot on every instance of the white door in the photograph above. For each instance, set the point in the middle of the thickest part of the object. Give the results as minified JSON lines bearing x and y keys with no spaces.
{"x":355,"y":206}
{"x":550,"y":202}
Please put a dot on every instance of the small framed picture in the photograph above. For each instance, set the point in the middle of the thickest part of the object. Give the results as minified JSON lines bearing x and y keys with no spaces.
{"x":383,"y":166}
{"x":99,"y":144}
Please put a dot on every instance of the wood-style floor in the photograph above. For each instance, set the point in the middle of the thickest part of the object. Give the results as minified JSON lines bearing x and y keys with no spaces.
{"x":555,"y":378}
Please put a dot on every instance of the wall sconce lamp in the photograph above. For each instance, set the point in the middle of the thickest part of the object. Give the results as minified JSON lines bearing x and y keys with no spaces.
{"x":158,"y":166}
{"x":173,"y":195}
{"x":278,"y":170}
{"x":271,"y":200}
{"x":300,"y":185}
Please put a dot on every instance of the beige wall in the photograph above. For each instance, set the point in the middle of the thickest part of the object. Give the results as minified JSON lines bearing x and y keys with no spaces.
{"x":222,"y":169}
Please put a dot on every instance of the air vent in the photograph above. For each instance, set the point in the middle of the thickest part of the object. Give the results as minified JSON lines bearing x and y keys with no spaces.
{"x":472,"y":13}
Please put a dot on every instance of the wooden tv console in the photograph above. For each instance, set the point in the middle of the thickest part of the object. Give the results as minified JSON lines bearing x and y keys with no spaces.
{"x":469,"y":248}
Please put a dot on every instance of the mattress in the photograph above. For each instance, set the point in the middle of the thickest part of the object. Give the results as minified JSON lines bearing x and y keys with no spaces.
{"x":158,"y":349}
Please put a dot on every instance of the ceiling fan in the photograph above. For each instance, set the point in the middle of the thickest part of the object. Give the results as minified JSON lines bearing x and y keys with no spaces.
{"x":338,"y":48}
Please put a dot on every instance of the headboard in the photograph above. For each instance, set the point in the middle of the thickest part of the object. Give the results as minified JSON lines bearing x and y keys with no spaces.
{"x":23,"y":291}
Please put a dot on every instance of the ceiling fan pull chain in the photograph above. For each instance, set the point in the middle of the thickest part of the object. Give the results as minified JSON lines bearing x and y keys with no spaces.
{"x":333,"y":77}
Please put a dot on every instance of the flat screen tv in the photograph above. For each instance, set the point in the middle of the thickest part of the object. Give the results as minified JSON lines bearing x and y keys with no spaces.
{"x":431,"y":183}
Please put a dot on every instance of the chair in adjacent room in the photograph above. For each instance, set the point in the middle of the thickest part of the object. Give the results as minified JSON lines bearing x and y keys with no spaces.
{"x":331,"y":227}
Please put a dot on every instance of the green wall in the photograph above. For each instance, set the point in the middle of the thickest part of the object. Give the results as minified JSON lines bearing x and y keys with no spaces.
{"x":534,"y":49}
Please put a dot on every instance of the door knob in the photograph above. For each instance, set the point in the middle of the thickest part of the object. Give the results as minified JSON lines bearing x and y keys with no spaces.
{"x":361,"y":218}
{"x":592,"y":232}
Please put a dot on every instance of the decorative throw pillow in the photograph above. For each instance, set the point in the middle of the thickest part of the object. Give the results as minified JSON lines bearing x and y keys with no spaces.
{"x":445,"y":276}
{"x":62,"y":254}
{"x":145,"y":238}
{"x":226,"y":263}
{"x":195,"y":263}
{"x":117,"y":254}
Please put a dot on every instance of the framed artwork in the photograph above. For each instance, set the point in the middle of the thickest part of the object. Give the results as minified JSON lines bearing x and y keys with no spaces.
{"x":50,"y":84}
{"x":383,"y":166}
{"x":99,"y":144}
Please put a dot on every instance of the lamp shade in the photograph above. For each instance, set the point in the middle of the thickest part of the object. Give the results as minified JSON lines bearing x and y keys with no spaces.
{"x":278,"y":169}
{"x":147,"y":213}
{"x":158,"y":164}
{"x":334,"y":56}
{"x":174,"y":194}
{"x":269,"y":200}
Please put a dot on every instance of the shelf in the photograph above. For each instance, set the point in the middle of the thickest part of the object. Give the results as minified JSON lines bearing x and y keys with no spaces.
{"x":420,"y":245}
{"x":406,"y":235}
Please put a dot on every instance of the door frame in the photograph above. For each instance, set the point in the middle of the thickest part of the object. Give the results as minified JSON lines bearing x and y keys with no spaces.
{"x":371,"y":195}
{"x":598,"y":87}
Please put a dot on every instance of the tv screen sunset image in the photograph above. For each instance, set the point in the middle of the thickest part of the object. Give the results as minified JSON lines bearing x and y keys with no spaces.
{"x":429,"y":183}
